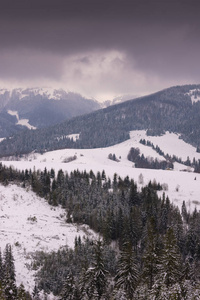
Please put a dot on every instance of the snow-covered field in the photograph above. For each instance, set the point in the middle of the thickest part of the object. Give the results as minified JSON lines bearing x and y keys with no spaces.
{"x":30,"y":224}
{"x":182,"y":184}
{"x":49,"y":231}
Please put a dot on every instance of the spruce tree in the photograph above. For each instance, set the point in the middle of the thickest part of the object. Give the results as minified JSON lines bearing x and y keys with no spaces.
{"x":171,"y":260}
{"x":68,"y":288}
{"x":9,"y":284}
{"x":150,"y":258}
{"x":95,"y":279}
{"x":127,"y":273}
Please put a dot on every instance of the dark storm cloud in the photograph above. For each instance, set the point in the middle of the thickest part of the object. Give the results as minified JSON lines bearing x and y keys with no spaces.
{"x":158,"y":37}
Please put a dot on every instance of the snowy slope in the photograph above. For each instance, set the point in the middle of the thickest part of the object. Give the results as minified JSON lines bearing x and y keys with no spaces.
{"x":49,"y":232}
{"x":30,"y":224}
{"x":181,"y":185}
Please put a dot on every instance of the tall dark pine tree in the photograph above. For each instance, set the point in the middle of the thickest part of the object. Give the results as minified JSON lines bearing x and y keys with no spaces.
{"x":9,"y":284}
{"x":150,"y":258}
{"x":68,"y":289}
{"x":170,"y":269}
{"x":36,"y":295}
{"x":127,"y":273}
{"x":1,"y":268}
{"x":95,"y":281}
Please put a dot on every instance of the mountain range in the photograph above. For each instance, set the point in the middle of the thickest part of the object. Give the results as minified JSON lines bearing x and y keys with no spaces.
{"x":176,"y":109}
{"x":39,"y":107}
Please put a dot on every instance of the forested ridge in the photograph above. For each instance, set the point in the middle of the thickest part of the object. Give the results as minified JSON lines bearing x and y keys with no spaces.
{"x":168,"y":110}
{"x":147,"y":248}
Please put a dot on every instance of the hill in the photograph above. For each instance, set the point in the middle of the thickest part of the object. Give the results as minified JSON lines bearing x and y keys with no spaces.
{"x":179,"y":181}
{"x":39,"y":107}
{"x":31,"y":225}
{"x":176,"y":109}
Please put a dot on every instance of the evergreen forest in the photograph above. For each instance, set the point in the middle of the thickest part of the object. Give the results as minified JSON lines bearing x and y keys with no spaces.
{"x":146,"y":247}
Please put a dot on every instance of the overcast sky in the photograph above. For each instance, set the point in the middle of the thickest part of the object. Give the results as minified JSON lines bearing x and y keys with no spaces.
{"x":100,"y":48}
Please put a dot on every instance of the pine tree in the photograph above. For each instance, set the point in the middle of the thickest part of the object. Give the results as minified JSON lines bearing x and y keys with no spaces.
{"x":170,"y":260}
{"x":9,"y":266}
{"x":95,"y":281}
{"x":127,"y":273}
{"x":68,"y":288}
{"x":36,"y":295}
{"x":9,"y":284}
{"x":1,"y":268}
{"x":150,"y":258}
{"x":21,"y":293}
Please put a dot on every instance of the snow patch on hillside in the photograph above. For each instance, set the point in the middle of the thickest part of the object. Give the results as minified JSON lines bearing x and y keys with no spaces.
{"x":74,"y":137}
{"x":22,"y":122}
{"x":30,"y":224}
{"x":170,"y":143}
{"x":195,"y":95}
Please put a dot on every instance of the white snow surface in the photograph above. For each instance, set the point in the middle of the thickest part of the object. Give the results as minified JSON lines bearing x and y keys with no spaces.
{"x":194,"y":98}
{"x":75,"y":136}
{"x":22,"y":122}
{"x":181,"y":178}
{"x":181,"y":185}
{"x":30,"y":224}
{"x":48,"y":92}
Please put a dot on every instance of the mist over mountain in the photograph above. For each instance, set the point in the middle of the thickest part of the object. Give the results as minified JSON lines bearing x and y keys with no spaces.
{"x":175,"y":109}
{"x":40,"y":107}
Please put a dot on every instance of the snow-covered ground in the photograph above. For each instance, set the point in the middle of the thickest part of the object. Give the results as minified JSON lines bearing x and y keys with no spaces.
{"x":182,"y":185}
{"x":22,"y":122}
{"x":30,"y":224}
{"x":50,"y":231}
{"x":194,"y":94}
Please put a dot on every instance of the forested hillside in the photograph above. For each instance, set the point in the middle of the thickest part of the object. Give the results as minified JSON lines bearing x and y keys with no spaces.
{"x":173,"y":109}
{"x":148,"y":248}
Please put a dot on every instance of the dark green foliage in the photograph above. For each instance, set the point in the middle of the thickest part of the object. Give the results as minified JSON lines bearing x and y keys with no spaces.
{"x":170,"y":268}
{"x":8,"y":288}
{"x":142,"y":162}
{"x":95,"y":277}
{"x":127,"y":274}
{"x":164,"y":242}
{"x":151,"y":255}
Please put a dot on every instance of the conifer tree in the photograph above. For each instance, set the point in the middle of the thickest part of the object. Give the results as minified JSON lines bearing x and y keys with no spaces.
{"x":21,"y":293}
{"x":9,"y":284}
{"x":36,"y":295}
{"x":171,"y":260}
{"x":95,"y":281}
{"x":127,"y":273}
{"x":150,"y":258}
{"x":68,"y":289}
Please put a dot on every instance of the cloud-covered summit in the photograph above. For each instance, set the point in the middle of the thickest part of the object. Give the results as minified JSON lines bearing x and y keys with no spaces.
{"x":100,"y":48}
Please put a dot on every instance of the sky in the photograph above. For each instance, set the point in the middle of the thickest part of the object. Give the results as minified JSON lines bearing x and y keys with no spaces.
{"x":99,"y":48}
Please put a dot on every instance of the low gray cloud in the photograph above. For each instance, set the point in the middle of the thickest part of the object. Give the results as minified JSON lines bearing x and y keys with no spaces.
{"x":100,"y":47}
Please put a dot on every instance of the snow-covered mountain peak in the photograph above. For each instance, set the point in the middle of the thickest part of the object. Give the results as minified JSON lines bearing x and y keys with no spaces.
{"x":49,"y":93}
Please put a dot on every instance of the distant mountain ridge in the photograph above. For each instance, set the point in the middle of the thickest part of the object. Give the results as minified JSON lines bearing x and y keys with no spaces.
{"x":41,"y":107}
{"x":176,"y":109}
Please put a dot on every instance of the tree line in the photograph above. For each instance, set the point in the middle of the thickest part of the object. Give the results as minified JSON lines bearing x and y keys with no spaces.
{"x":148,"y":248}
